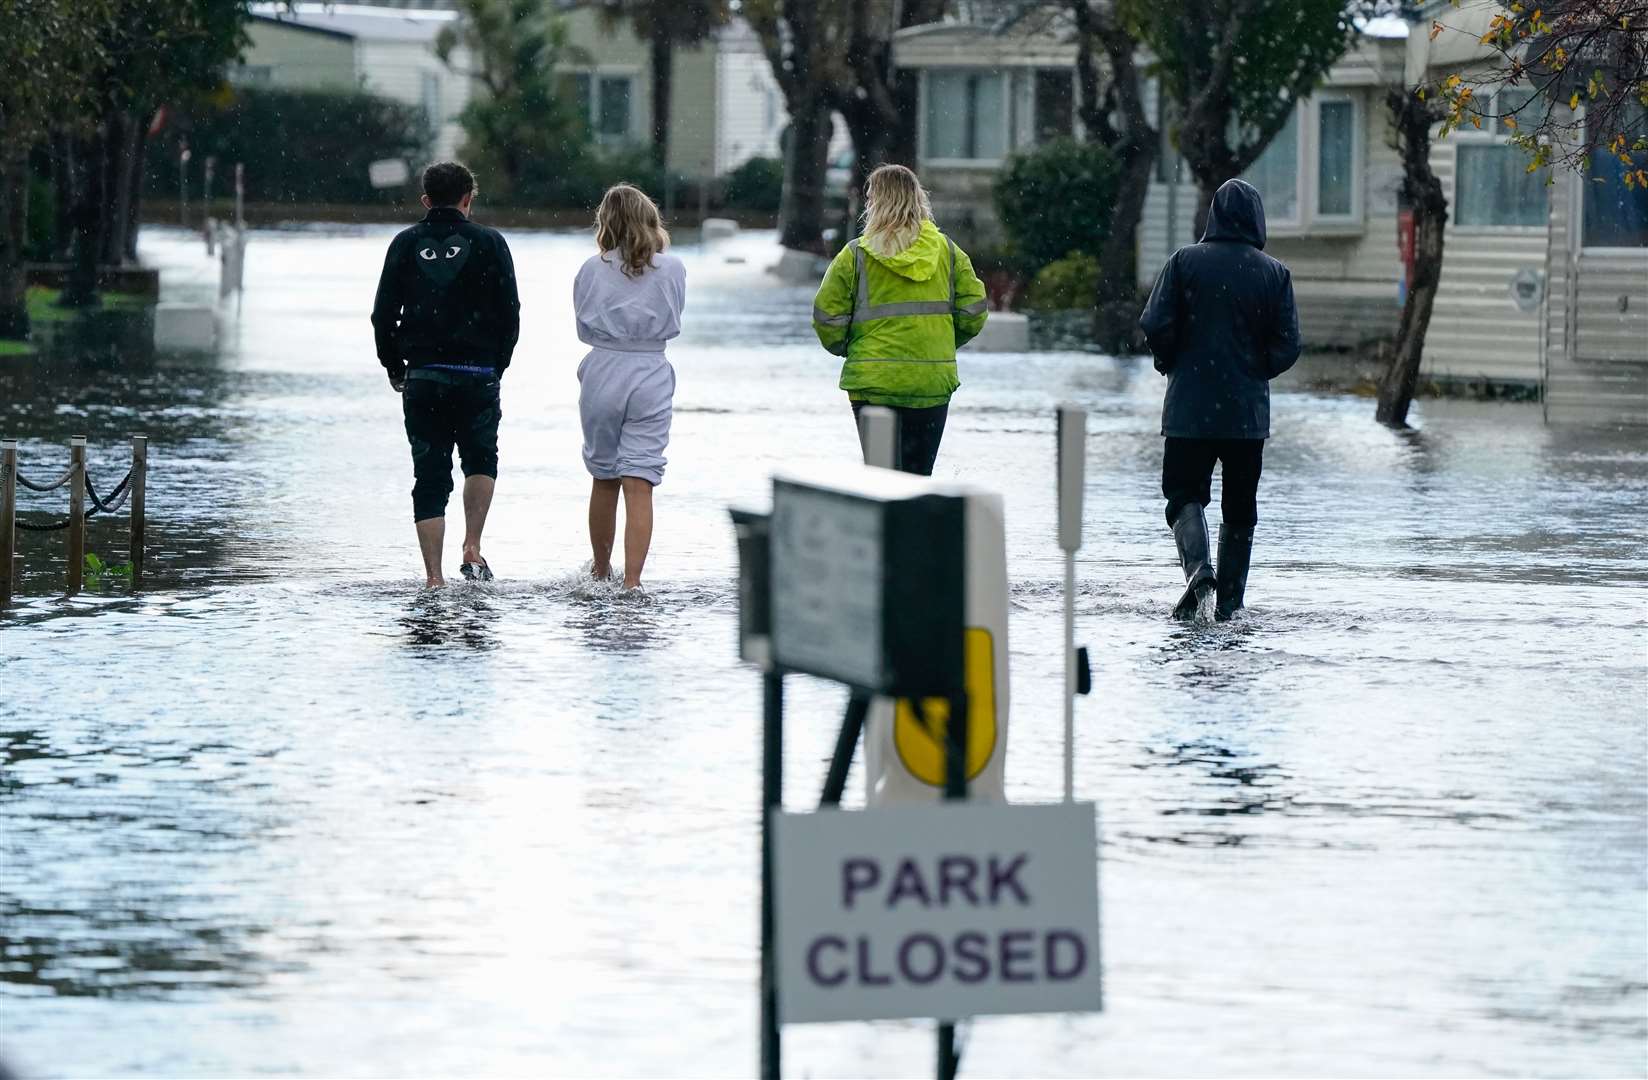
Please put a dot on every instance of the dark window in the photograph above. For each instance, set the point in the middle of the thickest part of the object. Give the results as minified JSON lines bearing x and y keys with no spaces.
{"x":1616,"y":215}
{"x":1055,"y":104}
{"x":612,"y":122}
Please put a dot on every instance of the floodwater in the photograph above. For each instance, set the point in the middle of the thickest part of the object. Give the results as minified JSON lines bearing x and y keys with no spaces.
{"x":286,"y":813}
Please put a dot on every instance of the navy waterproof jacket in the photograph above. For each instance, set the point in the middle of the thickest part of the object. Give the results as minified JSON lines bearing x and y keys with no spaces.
{"x":447,"y":296}
{"x":1221,"y":324}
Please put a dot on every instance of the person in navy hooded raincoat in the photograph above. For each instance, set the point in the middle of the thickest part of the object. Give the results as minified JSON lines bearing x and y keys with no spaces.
{"x":1221,"y":323}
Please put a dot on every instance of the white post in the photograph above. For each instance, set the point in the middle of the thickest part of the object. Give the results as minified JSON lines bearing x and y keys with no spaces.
{"x":1072,"y":438}
{"x":878,"y":435}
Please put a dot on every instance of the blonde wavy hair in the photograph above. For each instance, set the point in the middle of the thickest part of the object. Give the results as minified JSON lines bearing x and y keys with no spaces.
{"x":895,"y":205}
{"x":628,"y":223}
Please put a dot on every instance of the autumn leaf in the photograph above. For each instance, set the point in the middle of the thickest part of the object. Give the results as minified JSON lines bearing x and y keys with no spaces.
{"x":1436,"y":29}
{"x":1573,"y":102}
{"x":1453,"y":81}
{"x":1510,"y":122}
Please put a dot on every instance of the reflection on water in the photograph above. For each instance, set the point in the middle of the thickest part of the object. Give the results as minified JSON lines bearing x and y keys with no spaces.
{"x":288,"y":813}
{"x":458,"y":618}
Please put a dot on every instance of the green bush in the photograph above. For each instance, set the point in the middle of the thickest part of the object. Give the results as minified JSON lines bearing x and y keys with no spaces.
{"x":297,"y":145}
{"x":597,"y":170}
{"x":758,"y":184}
{"x":1056,"y":199}
{"x":1064,"y":284}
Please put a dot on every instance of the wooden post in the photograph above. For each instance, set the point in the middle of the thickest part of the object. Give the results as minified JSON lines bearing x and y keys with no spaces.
{"x":8,"y":516}
{"x":77,"y":512}
{"x":140,"y":478}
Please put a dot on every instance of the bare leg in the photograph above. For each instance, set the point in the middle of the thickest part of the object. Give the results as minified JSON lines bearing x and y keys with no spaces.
{"x":477,"y":500}
{"x":431,"y":535}
{"x":603,"y":524}
{"x":637,"y":528}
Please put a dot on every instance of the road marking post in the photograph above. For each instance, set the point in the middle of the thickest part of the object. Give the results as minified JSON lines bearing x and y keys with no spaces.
{"x":77,"y":513}
{"x":878,"y":436}
{"x":8,"y":517}
{"x":140,"y":484}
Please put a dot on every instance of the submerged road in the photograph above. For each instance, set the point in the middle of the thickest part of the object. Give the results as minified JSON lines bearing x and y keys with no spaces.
{"x":287,"y":814}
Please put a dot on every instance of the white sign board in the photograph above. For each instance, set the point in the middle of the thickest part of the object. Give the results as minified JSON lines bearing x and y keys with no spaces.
{"x":388,"y":172}
{"x":946,"y":911}
{"x":826,"y":587}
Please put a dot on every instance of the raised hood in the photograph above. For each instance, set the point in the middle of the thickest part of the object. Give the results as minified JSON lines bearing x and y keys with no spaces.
{"x":921,"y":260}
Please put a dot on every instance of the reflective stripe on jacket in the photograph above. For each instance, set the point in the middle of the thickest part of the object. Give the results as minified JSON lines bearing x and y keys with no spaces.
{"x":899,"y":319}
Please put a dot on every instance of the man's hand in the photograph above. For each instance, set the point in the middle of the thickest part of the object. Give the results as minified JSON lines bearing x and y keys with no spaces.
{"x":397,"y":377}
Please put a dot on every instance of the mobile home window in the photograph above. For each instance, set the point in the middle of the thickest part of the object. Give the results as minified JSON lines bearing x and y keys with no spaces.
{"x":1616,"y":215}
{"x":612,"y":117}
{"x":430,"y":94}
{"x":1055,"y":104}
{"x":1276,"y":173}
{"x":1335,"y":158}
{"x":1493,"y":186}
{"x":965,"y":116}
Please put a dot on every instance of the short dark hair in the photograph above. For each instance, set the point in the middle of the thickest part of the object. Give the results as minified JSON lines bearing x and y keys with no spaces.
{"x":446,"y":183}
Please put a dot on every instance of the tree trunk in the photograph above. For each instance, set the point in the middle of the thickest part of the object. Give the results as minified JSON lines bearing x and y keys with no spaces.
{"x":902,"y":145}
{"x":134,"y":214}
{"x":806,"y":158}
{"x":87,"y":216}
{"x":14,"y":308}
{"x":121,"y":147}
{"x":1116,"y":309}
{"x":1118,"y":119}
{"x":1206,"y":188}
{"x":63,"y":195}
{"x":1422,"y":191}
{"x":871,"y":146}
{"x":663,"y":89}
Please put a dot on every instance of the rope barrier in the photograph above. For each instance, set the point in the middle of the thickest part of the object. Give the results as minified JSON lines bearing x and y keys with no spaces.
{"x":55,"y":526}
{"x":84,"y":503}
{"x":53,"y":486}
{"x":111,"y":505}
{"x":117,"y":497}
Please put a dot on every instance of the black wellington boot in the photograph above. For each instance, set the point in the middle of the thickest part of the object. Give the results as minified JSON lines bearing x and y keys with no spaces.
{"x":1235,"y":553}
{"x":1190,"y":534}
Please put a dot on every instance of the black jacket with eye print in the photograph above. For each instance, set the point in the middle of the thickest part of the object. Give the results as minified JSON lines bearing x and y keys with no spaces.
{"x":447,"y":296}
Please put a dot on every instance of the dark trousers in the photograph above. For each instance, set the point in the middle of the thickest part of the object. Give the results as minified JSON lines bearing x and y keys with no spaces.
{"x":439,"y":414}
{"x":919,"y":433}
{"x":1187,"y":477}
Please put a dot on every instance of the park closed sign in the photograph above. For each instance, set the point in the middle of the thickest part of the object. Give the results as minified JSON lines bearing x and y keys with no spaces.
{"x":947,"y":910}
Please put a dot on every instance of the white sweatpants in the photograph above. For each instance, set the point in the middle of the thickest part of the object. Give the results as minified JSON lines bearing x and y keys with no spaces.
{"x":625,"y":402}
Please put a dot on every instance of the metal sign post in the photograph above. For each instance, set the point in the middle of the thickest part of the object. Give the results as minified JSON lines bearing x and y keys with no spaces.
{"x":1072,"y":429}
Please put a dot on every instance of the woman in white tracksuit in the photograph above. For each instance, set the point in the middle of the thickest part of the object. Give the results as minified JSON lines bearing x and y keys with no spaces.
{"x":628,"y":298}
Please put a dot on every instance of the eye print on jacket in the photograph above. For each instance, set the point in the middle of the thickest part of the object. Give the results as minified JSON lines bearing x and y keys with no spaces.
{"x":442,"y":259}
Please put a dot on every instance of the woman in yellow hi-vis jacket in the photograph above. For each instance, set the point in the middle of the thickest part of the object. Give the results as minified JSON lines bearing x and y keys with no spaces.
{"x":897,"y":303}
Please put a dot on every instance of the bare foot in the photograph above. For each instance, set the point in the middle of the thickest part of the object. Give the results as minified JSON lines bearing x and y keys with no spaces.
{"x":628,"y":584}
{"x":435,"y":583}
{"x":601,"y":573}
{"x":472,"y":553}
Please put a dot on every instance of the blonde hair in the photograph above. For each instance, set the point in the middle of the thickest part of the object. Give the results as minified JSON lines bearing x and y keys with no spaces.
{"x":629,"y":224}
{"x":895,"y":205}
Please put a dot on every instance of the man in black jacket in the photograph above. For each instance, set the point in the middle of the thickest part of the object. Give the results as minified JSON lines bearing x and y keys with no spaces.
{"x":1221,"y":324}
{"x":446,"y":320}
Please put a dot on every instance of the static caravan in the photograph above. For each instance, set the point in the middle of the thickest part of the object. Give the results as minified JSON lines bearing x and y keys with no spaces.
{"x":726,"y":105}
{"x":986,"y":92}
{"x":389,"y":51}
{"x":1596,"y":300}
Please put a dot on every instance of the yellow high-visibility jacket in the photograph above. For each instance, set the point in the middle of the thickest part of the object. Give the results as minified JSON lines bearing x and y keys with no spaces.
{"x":898,"y":319}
